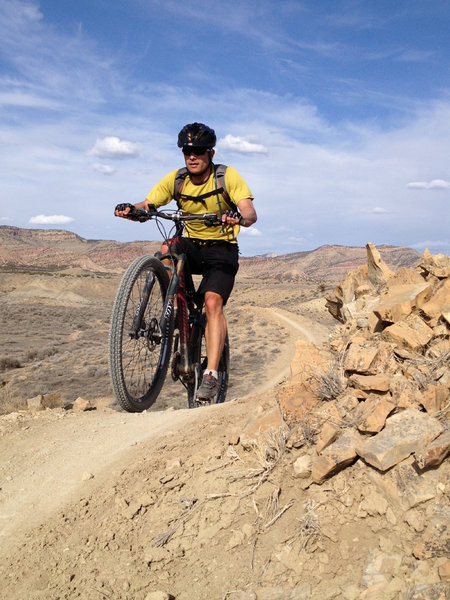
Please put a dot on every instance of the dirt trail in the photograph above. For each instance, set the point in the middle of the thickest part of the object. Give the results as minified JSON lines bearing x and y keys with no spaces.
{"x":170,"y":505}
{"x":298,"y":328}
{"x":49,"y":458}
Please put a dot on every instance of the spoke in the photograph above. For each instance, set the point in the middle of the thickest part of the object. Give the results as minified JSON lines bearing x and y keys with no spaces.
{"x":140,"y":356}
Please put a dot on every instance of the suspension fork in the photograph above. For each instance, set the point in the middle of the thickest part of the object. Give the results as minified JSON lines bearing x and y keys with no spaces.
{"x":137,"y":320}
{"x":183,"y":318}
{"x":169,"y":303}
{"x":176,"y":290}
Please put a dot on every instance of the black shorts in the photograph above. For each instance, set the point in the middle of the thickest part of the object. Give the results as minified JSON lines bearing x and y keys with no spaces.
{"x":217,"y":262}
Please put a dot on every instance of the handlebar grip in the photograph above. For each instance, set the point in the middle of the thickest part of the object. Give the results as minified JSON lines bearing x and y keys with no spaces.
{"x":139,"y":214}
{"x":135,"y":214}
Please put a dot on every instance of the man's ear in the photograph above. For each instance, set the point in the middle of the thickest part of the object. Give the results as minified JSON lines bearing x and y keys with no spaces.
{"x":211,"y":153}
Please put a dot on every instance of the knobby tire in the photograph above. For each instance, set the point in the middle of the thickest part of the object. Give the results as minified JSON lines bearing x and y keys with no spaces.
{"x":138,"y":364}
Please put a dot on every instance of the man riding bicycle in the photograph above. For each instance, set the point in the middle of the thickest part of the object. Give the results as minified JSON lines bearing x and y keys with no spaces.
{"x":211,"y":251}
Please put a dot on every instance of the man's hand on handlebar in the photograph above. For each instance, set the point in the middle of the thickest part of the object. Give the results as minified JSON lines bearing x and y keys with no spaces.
{"x":125,"y":210}
{"x":231,"y":217}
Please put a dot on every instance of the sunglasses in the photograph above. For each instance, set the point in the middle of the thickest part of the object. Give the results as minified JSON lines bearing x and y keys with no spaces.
{"x":197,"y":150}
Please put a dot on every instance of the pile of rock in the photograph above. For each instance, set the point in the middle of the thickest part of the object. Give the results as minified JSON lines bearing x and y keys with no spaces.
{"x":393,"y":349}
{"x":383,"y":393}
{"x":387,"y":385}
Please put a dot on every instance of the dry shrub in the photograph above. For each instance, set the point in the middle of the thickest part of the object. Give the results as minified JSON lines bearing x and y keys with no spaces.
{"x":6,"y":362}
{"x":430,"y":368}
{"x":270,"y":448}
{"x":309,"y":428}
{"x":8,"y":401}
{"x":309,"y":530}
{"x":331,"y":382}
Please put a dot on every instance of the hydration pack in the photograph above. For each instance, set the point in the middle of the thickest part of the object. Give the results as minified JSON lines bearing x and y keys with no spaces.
{"x":219,"y":177}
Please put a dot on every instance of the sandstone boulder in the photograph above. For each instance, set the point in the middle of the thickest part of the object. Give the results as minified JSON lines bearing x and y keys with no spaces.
{"x":439,"y":304}
{"x":435,"y":452}
{"x":399,"y":301}
{"x":405,"y":432}
{"x":412,"y":333}
{"x":404,"y":486}
{"x":374,"y":412}
{"x":370,"y":383}
{"x":260,"y":424}
{"x":378,"y":273}
{"x":336,"y":457}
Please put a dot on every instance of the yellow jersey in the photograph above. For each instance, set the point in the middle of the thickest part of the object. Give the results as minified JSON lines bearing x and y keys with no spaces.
{"x":237,"y":189}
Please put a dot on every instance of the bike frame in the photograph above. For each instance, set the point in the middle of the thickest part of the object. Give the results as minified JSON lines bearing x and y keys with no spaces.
{"x":151,"y":319}
{"x":181,"y":288}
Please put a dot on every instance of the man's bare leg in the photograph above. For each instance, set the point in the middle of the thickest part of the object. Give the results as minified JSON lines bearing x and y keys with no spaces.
{"x":215,"y":334}
{"x":216,"y":329}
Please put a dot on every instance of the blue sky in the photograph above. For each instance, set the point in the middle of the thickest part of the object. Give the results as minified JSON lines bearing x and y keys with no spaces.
{"x":337,"y":114}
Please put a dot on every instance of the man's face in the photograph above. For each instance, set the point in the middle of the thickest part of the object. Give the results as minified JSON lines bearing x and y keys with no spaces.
{"x":197,"y":163}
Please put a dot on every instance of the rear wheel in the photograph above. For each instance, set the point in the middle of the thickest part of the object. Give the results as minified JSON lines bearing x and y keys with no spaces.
{"x":139,"y":352}
{"x":200,"y":361}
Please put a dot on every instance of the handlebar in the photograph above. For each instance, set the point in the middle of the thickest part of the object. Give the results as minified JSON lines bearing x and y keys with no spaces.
{"x":142,"y":215}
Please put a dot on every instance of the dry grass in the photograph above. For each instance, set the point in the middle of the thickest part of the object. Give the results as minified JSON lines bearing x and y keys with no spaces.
{"x":7,"y":362}
{"x":429,"y":368}
{"x":331,"y":382}
{"x":309,"y":428}
{"x":309,"y":530}
{"x":190,"y":506}
{"x":8,"y":401}
{"x":270,"y":448}
{"x":444,"y":414}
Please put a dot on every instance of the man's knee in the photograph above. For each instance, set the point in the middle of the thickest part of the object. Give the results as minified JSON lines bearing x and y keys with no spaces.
{"x":213,"y":303}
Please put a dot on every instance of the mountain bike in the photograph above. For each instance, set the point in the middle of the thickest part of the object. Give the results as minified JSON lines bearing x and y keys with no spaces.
{"x":158,"y":315}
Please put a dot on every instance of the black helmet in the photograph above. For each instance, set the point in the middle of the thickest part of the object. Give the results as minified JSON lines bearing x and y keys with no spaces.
{"x":197,"y":134}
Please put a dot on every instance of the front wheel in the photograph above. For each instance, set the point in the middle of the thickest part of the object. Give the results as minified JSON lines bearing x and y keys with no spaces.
{"x":200,"y":360}
{"x":139,"y":351}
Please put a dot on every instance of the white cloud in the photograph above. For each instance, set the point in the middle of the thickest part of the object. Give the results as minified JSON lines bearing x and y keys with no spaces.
{"x":251,"y":231}
{"x":114,"y":148}
{"x":439,"y":184}
{"x":417,"y":185}
{"x":26,"y":99}
{"x":431,"y":244}
{"x":50,"y":220}
{"x":435,"y":184}
{"x":241,"y":145}
{"x":415,"y":55}
{"x":379,"y":210}
{"x":5,"y":219}
{"x":104,"y":169}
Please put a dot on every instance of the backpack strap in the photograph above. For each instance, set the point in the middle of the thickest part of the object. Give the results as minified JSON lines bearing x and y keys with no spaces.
{"x":219,"y":176}
{"x":180,"y":178}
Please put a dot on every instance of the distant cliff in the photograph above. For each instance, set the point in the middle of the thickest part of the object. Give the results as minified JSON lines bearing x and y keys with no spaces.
{"x":55,"y":249}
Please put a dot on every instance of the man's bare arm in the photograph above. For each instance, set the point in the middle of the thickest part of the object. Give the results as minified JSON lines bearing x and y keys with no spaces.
{"x":247,"y":212}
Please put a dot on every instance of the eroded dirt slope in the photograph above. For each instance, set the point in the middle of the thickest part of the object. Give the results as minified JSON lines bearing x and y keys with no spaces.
{"x":168,"y":504}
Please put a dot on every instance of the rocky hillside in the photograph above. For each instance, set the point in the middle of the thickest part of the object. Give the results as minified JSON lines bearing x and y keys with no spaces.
{"x":382,"y":401}
{"x":48,"y":249}
{"x":34,"y":249}
{"x":334,"y":484}
{"x":327,"y":263}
